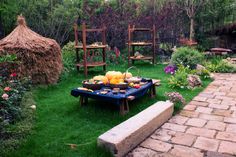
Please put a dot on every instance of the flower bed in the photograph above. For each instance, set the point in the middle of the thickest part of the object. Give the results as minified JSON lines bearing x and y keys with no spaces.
{"x":12,"y":90}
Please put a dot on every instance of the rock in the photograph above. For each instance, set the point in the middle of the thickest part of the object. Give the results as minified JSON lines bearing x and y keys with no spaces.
{"x":194,"y":81}
{"x":212,"y":76}
{"x":200,"y":67}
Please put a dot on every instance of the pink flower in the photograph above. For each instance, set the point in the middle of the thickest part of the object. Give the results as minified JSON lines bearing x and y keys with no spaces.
{"x":5,"y":96}
{"x":13,"y":75}
{"x":7,"y":89}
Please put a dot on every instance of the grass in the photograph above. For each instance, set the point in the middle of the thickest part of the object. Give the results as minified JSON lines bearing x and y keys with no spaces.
{"x":60,"y":120}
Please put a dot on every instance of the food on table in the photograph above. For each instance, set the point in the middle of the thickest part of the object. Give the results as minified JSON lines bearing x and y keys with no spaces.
{"x":112,"y":74}
{"x":127,"y":75}
{"x":107,"y":89}
{"x":102,"y":78}
{"x":104,"y":92}
{"x":92,"y":81}
{"x":131,"y":84}
{"x":116,"y":80}
{"x":93,"y":84}
{"x":123,"y":91}
{"x":116,"y":89}
{"x":85,"y":89}
{"x":133,"y":79}
{"x":136,"y":86}
{"x":142,"y":83}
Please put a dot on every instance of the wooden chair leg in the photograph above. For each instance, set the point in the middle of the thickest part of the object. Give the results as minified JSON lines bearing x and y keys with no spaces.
{"x":126,"y":107}
{"x":85,"y":100}
{"x":81,"y":100}
{"x":122,"y":109}
{"x":153,"y":91}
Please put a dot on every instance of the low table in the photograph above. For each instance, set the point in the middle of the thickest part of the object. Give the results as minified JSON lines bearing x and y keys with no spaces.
{"x":120,"y":98}
{"x":220,"y":51}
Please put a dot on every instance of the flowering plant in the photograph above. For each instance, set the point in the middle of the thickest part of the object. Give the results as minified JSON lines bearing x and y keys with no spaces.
{"x":12,"y":90}
{"x":175,"y":97}
{"x":170,"y":69}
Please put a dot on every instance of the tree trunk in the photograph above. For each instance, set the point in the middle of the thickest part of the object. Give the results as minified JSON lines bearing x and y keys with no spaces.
{"x":192,"y":33}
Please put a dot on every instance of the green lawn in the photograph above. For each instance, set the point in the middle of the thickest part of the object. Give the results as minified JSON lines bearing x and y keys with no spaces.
{"x":60,"y":120}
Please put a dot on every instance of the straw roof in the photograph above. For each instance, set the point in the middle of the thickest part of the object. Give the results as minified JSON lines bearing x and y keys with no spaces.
{"x":40,"y":57}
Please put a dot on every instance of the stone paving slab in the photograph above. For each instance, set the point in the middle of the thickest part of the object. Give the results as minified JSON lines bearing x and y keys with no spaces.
{"x":206,"y":127}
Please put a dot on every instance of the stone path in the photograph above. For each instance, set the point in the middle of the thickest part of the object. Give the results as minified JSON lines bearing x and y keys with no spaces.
{"x":206,"y":127}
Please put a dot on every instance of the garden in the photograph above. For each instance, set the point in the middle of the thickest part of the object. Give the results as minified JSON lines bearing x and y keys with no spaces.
{"x":60,"y":46}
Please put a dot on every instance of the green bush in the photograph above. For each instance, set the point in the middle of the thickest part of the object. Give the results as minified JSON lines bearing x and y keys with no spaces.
{"x":179,"y":80}
{"x":69,"y":57}
{"x":205,"y":74}
{"x":187,"y":57}
{"x":220,"y":66}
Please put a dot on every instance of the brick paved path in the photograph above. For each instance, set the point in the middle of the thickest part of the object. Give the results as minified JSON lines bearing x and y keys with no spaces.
{"x":205,"y":127}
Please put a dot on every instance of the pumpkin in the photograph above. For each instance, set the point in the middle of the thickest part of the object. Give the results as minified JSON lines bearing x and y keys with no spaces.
{"x":116,"y":80}
{"x":118,"y":75}
{"x":127,"y":75}
{"x":102,"y":78}
{"x":114,"y":74}
{"x":109,"y":75}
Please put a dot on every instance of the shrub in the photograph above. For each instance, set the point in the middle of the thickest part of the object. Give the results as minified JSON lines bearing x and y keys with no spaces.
{"x":187,"y":57}
{"x":177,"y":99}
{"x":220,"y":65}
{"x":69,"y":57}
{"x":11,"y":92}
{"x":179,"y":80}
{"x":13,"y":113}
{"x":204,"y":73}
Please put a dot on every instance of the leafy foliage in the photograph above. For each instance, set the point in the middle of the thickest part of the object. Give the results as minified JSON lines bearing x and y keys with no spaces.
{"x":8,"y":58}
{"x":179,"y":80}
{"x":219,"y":65}
{"x":12,"y":90}
{"x":69,"y":57}
{"x":177,"y":99}
{"x":187,"y":57}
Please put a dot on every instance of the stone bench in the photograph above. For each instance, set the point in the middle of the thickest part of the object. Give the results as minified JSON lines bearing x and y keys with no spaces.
{"x":127,"y":135}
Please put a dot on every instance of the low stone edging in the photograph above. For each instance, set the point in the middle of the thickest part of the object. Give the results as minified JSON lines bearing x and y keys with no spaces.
{"x":127,"y":135}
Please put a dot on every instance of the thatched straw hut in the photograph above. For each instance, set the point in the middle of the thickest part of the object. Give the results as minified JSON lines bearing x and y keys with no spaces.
{"x":40,"y":57}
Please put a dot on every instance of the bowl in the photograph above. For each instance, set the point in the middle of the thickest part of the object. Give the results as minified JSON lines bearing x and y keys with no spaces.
{"x":134,"y":80}
{"x":92,"y":85}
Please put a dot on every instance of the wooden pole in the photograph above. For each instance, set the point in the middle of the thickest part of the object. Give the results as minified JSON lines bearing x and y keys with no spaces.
{"x":104,"y":49}
{"x":129,"y":44}
{"x":76,"y":33}
{"x":154,"y":44}
{"x":84,"y":48}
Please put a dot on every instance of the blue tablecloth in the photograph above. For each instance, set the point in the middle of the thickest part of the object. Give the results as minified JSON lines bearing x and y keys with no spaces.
{"x":114,"y":98}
